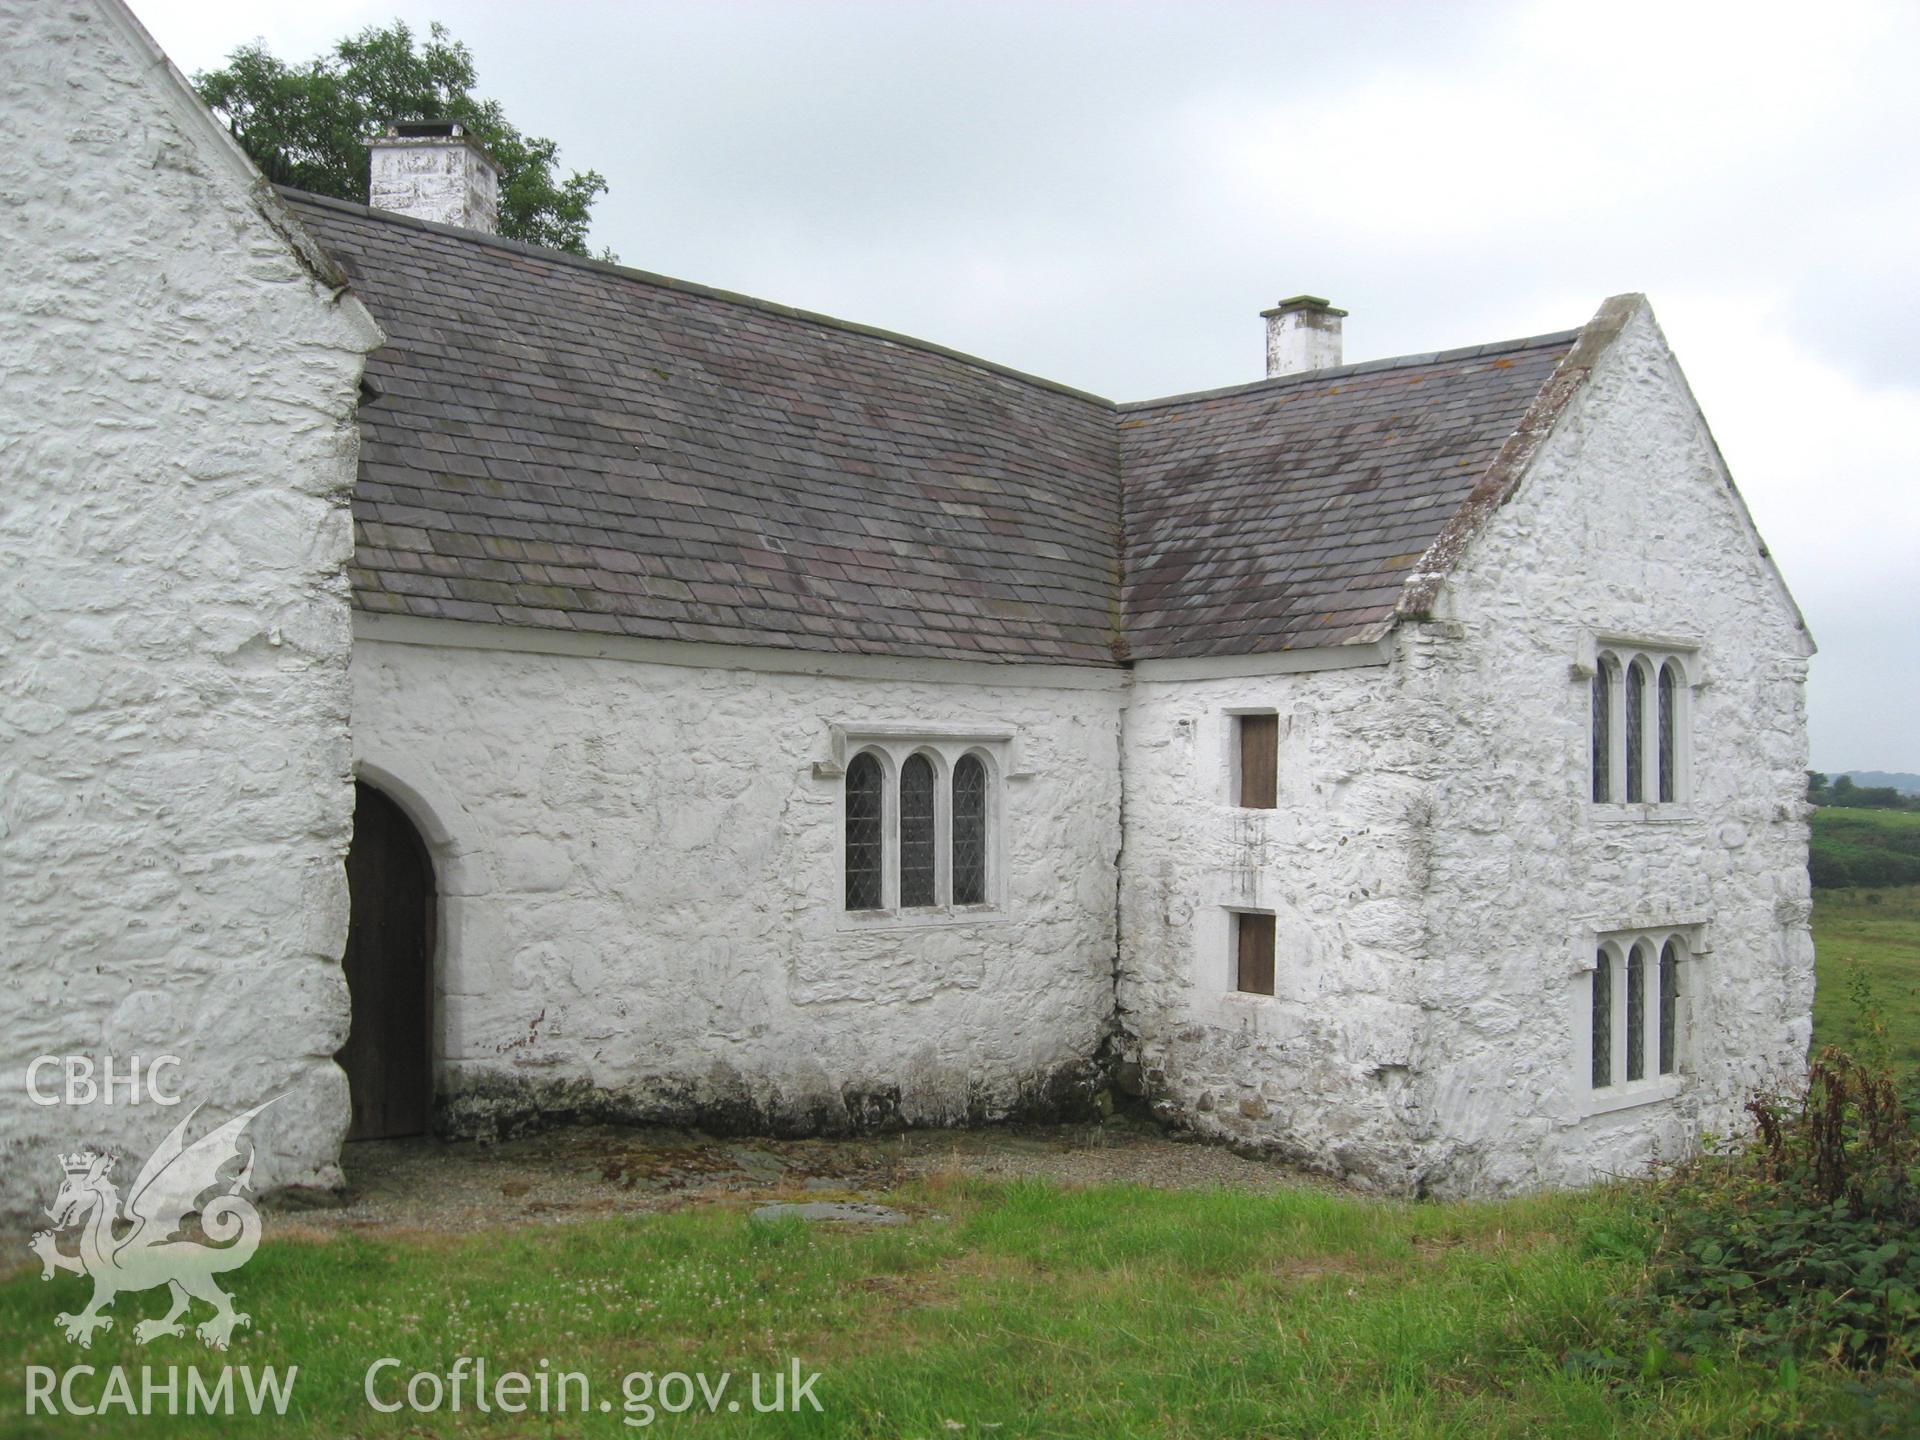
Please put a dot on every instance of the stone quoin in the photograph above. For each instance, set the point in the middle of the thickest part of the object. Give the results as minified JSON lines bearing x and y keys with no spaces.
{"x":451,"y":683}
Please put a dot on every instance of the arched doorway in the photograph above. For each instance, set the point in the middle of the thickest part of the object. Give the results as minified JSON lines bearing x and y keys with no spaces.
{"x":388,"y":1056}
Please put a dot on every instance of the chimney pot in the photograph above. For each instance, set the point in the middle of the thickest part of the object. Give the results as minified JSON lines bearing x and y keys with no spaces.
{"x":434,"y":170}
{"x":1303,"y":333}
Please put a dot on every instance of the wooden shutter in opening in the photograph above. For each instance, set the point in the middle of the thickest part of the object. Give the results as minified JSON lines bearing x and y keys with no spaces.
{"x":1255,"y":961}
{"x":1259,"y":760}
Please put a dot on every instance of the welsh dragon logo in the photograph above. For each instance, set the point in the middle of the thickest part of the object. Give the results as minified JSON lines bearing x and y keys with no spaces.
{"x":140,"y":1245}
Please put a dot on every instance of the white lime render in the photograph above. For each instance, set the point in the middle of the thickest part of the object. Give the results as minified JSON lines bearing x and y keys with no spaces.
{"x":641,"y":891}
{"x":179,"y":440}
{"x":1440,"y":875}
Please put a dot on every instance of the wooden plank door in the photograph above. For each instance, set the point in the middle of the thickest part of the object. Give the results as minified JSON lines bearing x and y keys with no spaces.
{"x":388,"y":1056}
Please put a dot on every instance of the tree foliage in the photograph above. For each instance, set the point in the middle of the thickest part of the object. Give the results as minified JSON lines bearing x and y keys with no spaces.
{"x":1841,"y":790}
{"x":305,"y":125}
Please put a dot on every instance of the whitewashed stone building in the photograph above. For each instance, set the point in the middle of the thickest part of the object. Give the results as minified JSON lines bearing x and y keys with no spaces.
{"x":736,"y":716}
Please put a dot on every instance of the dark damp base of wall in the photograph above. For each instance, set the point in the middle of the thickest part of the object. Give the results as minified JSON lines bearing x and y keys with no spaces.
{"x":497,"y":1106}
{"x":1380,"y":1172}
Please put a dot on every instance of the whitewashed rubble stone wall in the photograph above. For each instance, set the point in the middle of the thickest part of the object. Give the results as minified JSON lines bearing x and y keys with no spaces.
{"x":1625,"y":524}
{"x":449,"y":181}
{"x":178,"y":442}
{"x":1319,"y":1070}
{"x":1437,"y":872}
{"x":641,"y":914}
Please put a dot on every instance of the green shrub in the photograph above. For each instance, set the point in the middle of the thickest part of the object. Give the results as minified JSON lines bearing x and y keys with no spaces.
{"x":1807,"y":1238}
{"x":1860,"y":848}
{"x":1837,"y":865}
{"x":1828,"y":871}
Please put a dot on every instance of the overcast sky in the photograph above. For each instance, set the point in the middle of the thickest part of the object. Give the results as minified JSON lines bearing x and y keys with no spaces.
{"x":1108,"y":194}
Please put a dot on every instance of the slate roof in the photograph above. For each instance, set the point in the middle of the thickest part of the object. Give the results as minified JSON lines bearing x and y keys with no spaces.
{"x":1289,"y":513}
{"x":565,"y":444}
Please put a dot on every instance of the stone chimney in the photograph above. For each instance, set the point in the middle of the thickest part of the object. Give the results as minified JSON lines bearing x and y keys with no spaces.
{"x":1302,"y":334}
{"x":434,"y":170}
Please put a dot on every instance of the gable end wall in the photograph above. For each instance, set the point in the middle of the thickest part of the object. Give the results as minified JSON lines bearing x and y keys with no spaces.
{"x":1625,"y":524}
{"x":177,"y":432}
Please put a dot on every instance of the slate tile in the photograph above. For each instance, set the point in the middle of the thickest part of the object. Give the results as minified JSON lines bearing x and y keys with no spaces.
{"x":560,"y":431}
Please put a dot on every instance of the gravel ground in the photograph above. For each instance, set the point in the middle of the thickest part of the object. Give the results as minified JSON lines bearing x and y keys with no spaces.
{"x":591,"y":1171}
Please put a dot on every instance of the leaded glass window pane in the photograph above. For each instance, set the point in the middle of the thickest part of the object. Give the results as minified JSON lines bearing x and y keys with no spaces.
{"x":916,"y":831}
{"x":970,"y":832}
{"x":865,"y":790}
{"x":1669,"y":1004}
{"x":1666,"y":732}
{"x":1602,"y":733}
{"x":1602,"y":1020}
{"x":1637,"y":1013}
{"x":1636,"y":721}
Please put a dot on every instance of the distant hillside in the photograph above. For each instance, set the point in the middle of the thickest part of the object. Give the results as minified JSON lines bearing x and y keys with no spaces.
{"x":1896,"y":779}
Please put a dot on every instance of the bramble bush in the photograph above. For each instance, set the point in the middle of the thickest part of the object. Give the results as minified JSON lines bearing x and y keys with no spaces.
{"x":1806,"y":1239}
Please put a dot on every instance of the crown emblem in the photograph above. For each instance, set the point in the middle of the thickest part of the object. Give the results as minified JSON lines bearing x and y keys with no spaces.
{"x":80,"y":1162}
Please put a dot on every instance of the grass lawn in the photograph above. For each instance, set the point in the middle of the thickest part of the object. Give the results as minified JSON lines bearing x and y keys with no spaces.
{"x":1009,"y":1309}
{"x":1868,"y":944}
{"x":1017,"y":1308}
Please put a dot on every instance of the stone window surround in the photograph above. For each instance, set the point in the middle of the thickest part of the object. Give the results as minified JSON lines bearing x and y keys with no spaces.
{"x":1624,"y":649}
{"x":997,"y":747}
{"x":1695,"y":948}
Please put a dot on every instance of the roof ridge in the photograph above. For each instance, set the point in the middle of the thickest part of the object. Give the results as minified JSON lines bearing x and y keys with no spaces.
{"x":693,"y":287}
{"x":875,"y":332}
{"x":1363,"y":367}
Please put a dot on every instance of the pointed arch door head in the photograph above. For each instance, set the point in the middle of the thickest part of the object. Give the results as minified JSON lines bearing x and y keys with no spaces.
{"x":388,"y":963}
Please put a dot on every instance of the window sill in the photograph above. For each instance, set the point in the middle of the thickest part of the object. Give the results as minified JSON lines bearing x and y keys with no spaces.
{"x":1672,"y":812}
{"x":1248,"y":1014}
{"x":931,"y":917}
{"x":1632,"y":1095}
